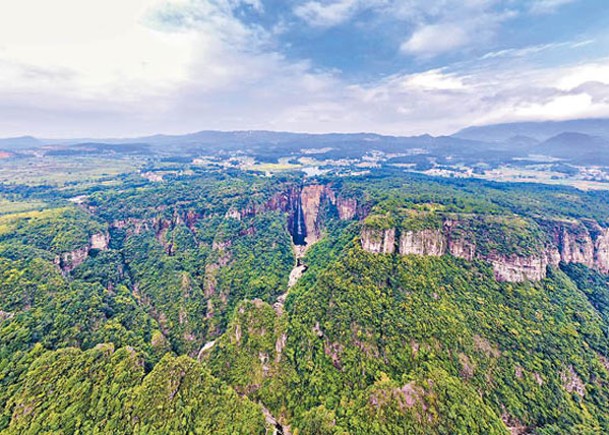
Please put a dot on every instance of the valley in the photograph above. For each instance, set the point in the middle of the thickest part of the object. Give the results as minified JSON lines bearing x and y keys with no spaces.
{"x":390,"y":302}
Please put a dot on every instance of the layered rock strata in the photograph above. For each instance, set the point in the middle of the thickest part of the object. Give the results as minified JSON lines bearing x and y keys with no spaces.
{"x":584,"y":243}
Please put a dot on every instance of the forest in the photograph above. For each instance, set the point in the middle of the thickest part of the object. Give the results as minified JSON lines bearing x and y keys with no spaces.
{"x":183,"y":306}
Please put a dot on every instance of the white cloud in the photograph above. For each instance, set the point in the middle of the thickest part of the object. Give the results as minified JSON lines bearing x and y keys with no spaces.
{"x":436,"y":26}
{"x":327,"y":14}
{"x":434,"y":39}
{"x":447,"y":26}
{"x":123,"y":67}
{"x":590,"y":72}
{"x":92,"y":49}
{"x":434,"y":80}
{"x":441,"y":102}
{"x":119,"y":57}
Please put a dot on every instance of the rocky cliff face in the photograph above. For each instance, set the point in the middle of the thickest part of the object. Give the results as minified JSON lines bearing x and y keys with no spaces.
{"x":100,"y":241}
{"x":518,"y":269}
{"x":575,"y":245}
{"x":347,"y":208}
{"x":133,"y":225}
{"x":306,"y":204}
{"x":601,"y":251}
{"x":583,"y":242}
{"x":68,"y":261}
{"x":570,"y":242}
{"x":310,"y":198}
{"x":378,"y":241}
{"x":425,"y":242}
{"x":439,"y":242}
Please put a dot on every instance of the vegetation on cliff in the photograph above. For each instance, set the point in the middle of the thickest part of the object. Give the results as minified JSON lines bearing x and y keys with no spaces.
{"x":365,"y":343}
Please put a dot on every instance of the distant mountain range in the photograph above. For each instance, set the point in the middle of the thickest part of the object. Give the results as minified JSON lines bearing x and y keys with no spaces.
{"x":576,"y":147}
{"x":539,"y":131}
{"x":16,"y":143}
{"x":584,"y":141}
{"x":579,"y":141}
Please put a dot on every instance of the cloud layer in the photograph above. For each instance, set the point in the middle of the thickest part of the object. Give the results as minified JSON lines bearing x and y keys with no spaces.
{"x":124,"y":67}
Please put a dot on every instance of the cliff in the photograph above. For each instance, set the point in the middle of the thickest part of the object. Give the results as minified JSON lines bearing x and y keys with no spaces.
{"x":514,"y":268}
{"x":513,"y":258}
{"x":583,"y":242}
{"x":347,"y":208}
{"x":378,"y":241}
{"x":307,"y":206}
{"x":424,"y":242}
{"x":99,"y":241}
{"x":68,"y":261}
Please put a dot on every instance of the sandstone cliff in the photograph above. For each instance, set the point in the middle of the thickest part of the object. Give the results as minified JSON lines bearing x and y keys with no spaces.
{"x":559,"y":241}
{"x":424,"y":242}
{"x":378,"y":241}
{"x":68,"y":261}
{"x":514,"y":268}
{"x":100,"y":241}
{"x":347,"y":208}
{"x":310,"y":198}
{"x":313,"y":200}
{"x":584,"y":242}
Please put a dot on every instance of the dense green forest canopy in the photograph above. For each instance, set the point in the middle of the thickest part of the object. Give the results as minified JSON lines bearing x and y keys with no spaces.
{"x":174,"y":306}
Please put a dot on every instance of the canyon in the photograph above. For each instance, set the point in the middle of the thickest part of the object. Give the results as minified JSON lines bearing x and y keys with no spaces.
{"x":309,"y":206}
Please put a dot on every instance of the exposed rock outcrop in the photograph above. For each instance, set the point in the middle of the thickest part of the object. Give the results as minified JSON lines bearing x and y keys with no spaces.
{"x":572,"y":382}
{"x":584,"y":242}
{"x":567,"y":241}
{"x":133,"y":225}
{"x":518,"y":269}
{"x":378,"y":241}
{"x":458,"y":246}
{"x":100,"y":241}
{"x":277,"y":428}
{"x":574,"y":243}
{"x":425,"y":242}
{"x":233,"y":214}
{"x":347,"y":208}
{"x":68,"y":261}
{"x":306,"y":207}
{"x":601,"y":251}
{"x":436,"y":242}
{"x":310,"y":198}
{"x":5,"y":315}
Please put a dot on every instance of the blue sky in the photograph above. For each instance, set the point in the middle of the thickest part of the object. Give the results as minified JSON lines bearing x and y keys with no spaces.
{"x":131,"y":67}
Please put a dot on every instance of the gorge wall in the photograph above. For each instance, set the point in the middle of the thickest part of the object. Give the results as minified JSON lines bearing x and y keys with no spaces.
{"x":584,"y":243}
{"x":305,"y":207}
{"x":68,"y":261}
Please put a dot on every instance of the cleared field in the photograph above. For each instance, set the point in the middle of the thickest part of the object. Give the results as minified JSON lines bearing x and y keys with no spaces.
{"x":9,"y":207}
{"x":518,"y":175}
{"x":59,"y":171}
{"x":546,"y":177}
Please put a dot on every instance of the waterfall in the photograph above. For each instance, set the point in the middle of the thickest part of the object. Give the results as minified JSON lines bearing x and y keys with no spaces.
{"x":299,"y":232}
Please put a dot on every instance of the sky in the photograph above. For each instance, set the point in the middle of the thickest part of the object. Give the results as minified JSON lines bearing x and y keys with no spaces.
{"x":117,"y":68}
